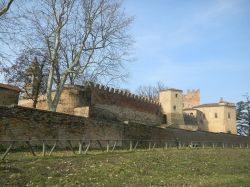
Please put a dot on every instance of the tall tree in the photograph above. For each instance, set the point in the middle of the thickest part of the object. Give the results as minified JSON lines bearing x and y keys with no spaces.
{"x":243,"y":116}
{"x":30,"y":73}
{"x":4,"y":26}
{"x":82,"y":37}
{"x":5,"y":6}
{"x":151,"y":91}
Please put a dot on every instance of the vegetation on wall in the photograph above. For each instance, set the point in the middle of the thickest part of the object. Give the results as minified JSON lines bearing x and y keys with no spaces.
{"x":151,"y":91}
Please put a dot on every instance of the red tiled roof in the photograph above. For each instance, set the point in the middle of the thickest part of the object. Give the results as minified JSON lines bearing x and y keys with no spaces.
{"x":10,"y":87}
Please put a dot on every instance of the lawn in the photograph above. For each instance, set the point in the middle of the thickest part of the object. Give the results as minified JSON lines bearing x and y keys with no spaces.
{"x":172,"y":167}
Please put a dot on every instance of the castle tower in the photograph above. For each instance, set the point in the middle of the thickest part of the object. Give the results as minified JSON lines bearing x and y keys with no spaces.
{"x":191,"y":99}
{"x":171,"y":102}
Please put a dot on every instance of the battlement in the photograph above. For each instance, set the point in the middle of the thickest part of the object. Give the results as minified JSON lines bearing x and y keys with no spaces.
{"x":119,"y":92}
{"x":190,"y":91}
{"x":191,"y":98}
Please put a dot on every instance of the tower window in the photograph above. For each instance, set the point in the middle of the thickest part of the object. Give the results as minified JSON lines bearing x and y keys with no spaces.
{"x":174,"y":107}
{"x":228,"y":115}
{"x":215,"y":115}
{"x":176,"y":95}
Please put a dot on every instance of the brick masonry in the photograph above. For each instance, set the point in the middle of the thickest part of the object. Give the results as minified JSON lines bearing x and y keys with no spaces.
{"x":20,"y":123}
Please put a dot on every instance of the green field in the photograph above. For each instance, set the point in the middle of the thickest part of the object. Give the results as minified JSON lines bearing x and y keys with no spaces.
{"x":172,"y":167}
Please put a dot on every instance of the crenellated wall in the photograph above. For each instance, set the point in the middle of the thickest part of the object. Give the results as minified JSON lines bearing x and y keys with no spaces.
{"x":98,"y":101}
{"x":106,"y":102}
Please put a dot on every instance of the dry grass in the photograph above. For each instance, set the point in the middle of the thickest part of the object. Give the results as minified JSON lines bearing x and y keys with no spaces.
{"x":196,"y":167}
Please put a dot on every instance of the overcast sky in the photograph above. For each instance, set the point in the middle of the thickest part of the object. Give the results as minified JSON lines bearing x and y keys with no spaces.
{"x":192,"y":44}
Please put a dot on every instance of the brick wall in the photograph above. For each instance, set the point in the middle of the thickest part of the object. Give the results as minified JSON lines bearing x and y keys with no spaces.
{"x":104,"y":102}
{"x":20,"y":123}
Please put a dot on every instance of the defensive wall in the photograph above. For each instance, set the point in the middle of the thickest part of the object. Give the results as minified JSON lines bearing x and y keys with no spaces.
{"x":98,"y":101}
{"x":21,"y":123}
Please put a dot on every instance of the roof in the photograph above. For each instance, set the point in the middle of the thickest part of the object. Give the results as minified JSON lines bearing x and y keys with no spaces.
{"x":187,"y":109}
{"x":10,"y":87}
{"x":172,"y":89}
{"x":215,"y":105}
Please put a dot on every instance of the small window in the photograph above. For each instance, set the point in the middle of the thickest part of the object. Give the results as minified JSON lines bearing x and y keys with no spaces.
{"x":191,"y":114}
{"x":164,"y":119}
{"x":174,"y":107}
{"x":216,"y":115}
{"x":176,"y":95}
{"x":228,"y":115}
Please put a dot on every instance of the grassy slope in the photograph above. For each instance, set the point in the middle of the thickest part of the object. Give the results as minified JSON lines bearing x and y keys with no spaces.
{"x":202,"y":167}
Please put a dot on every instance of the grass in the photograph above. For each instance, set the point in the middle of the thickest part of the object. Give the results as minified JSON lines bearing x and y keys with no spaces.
{"x":172,"y":167}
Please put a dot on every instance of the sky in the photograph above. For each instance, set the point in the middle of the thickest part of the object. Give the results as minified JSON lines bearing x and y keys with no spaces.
{"x":192,"y":44}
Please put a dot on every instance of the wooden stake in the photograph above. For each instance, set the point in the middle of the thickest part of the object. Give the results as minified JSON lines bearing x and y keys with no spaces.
{"x":54,"y":146}
{"x":153,"y":146}
{"x":166,"y":145}
{"x":136,"y":145}
{"x":44,"y":148}
{"x":70,"y":146}
{"x":107,"y":146}
{"x":7,"y":151}
{"x":30,"y":147}
{"x":149,"y":146}
{"x":131,"y":145}
{"x":113,"y":147}
{"x":98,"y":141}
{"x":87,"y":148}
{"x":80,"y":147}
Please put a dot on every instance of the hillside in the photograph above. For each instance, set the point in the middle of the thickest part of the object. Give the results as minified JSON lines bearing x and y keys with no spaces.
{"x":201,"y":167}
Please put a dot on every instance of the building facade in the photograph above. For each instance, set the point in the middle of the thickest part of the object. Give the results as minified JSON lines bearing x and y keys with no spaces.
{"x":9,"y":94}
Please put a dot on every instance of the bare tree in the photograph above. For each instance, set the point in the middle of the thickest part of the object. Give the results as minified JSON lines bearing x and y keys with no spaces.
{"x":84,"y":38}
{"x":4,"y":26}
{"x":243,"y":116}
{"x":151,"y":91}
{"x":5,"y":6}
{"x":30,"y":73}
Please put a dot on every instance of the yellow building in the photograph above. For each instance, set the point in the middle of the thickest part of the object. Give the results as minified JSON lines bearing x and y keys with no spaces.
{"x":184,"y":111}
{"x":218,"y":117}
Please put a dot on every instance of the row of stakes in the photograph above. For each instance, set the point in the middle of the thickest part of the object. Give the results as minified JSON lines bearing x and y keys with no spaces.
{"x":111,"y":148}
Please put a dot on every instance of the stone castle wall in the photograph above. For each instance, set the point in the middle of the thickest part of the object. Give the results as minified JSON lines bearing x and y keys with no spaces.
{"x":123,"y":106}
{"x":20,"y":123}
{"x":97,"y":101}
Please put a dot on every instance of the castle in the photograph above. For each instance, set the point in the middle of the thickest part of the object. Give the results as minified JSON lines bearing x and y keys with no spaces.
{"x":174,"y":109}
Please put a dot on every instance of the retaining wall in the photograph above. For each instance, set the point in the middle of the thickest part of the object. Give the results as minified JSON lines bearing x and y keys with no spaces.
{"x":20,"y":123}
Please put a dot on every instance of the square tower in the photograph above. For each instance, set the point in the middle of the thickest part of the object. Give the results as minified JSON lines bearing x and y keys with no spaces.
{"x":172,"y":106}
